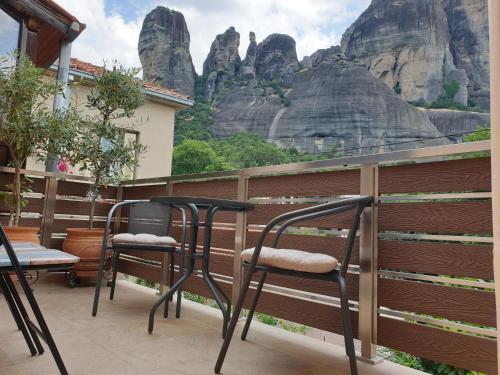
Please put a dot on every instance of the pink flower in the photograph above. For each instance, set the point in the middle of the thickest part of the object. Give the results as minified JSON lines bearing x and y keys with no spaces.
{"x":62,"y":166}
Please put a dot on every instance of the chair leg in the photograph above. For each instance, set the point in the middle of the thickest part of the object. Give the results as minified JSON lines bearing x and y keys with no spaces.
{"x":346,"y":319}
{"x":253,"y":306}
{"x":164,"y":298}
{"x":172,"y":273}
{"x":17,"y":316}
{"x":114,"y":270}
{"x":234,"y":320}
{"x":41,"y":321}
{"x":99,"y":279}
{"x":179,"y":291}
{"x":215,"y":289}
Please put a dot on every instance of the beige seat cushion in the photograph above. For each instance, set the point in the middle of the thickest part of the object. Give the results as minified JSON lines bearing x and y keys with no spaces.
{"x":295,"y":260}
{"x":143,"y":239}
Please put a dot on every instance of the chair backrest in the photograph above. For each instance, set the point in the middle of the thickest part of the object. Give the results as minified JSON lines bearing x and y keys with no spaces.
{"x":149,"y":217}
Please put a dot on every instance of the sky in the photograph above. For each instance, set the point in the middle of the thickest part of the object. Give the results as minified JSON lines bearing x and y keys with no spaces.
{"x":113,"y":26}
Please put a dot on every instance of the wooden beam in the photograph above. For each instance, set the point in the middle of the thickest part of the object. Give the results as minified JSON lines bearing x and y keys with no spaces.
{"x":494,"y":20}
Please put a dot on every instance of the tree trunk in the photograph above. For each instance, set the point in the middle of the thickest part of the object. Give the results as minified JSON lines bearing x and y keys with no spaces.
{"x":17,"y":194}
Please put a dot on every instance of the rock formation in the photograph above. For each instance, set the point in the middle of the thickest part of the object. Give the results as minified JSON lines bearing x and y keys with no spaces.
{"x":223,"y":60}
{"x":276,"y":57}
{"x":416,"y":46}
{"x":164,"y":51}
{"x":337,"y":102}
{"x":247,"y":69}
{"x":453,"y":123}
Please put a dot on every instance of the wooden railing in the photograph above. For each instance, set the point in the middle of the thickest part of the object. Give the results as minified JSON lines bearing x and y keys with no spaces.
{"x":421,"y":278}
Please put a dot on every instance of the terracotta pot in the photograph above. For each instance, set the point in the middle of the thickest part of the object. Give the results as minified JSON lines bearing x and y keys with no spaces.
{"x":85,"y":244}
{"x":23,"y":234}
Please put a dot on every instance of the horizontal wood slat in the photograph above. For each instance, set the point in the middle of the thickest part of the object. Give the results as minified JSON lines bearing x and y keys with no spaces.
{"x":263,"y":213}
{"x":308,"y":313}
{"x":322,"y":184}
{"x":34,"y":205}
{"x":464,"y":351}
{"x":72,"y":207}
{"x":60,"y":225}
{"x":37,"y":184}
{"x":24,"y":222}
{"x":80,"y":189}
{"x":437,"y":258}
{"x":333,"y":246}
{"x":212,"y":189}
{"x":144,"y":271}
{"x":472,"y":217}
{"x":445,"y":176}
{"x":143,"y":191}
{"x":221,"y":238}
{"x":327,"y":288}
{"x":462,"y":304}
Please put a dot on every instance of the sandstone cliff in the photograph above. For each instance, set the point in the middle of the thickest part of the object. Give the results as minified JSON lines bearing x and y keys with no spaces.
{"x":164,"y":51}
{"x":416,"y":46}
{"x":337,"y":102}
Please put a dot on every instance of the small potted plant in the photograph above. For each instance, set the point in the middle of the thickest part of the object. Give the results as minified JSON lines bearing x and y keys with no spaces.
{"x":101,"y":152}
{"x":28,"y":128}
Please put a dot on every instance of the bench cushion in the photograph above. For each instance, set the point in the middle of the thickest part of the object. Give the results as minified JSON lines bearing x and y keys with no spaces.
{"x":143,"y":239}
{"x":296,"y":260}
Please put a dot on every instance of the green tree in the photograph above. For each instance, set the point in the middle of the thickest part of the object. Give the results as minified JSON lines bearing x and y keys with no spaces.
{"x":245,"y":150}
{"x":193,"y":156}
{"x":194,"y":123}
{"x":481,"y":134}
{"x":100,"y":149}
{"x":27,"y":126}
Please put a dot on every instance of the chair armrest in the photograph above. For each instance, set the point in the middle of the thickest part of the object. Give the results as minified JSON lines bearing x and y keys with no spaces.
{"x":313,"y":212}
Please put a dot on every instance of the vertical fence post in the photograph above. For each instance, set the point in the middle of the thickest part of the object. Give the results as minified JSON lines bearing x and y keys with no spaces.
{"x":368,"y":267}
{"x":49,"y":209}
{"x":239,"y":237}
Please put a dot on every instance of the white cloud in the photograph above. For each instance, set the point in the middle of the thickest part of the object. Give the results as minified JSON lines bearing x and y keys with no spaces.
{"x":312,"y":23}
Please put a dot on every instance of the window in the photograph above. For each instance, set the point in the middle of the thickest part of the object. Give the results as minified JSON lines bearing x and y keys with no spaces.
{"x":9,"y":35}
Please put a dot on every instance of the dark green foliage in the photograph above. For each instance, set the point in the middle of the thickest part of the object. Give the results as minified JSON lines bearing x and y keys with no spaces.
{"x":424,"y":365}
{"x":27,"y":125}
{"x":100,"y":149}
{"x":451,"y":88}
{"x":481,"y":134}
{"x":245,"y":150}
{"x":397,"y":88}
{"x":194,"y":123}
{"x":193,"y":156}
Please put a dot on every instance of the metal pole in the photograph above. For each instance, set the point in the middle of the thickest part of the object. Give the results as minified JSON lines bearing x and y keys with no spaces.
{"x":61,"y":98}
{"x":368,"y":261}
{"x":494,"y":16}
{"x":240,"y":236}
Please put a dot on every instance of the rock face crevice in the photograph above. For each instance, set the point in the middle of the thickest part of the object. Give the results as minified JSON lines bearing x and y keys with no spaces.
{"x":416,"y":46}
{"x":164,"y":51}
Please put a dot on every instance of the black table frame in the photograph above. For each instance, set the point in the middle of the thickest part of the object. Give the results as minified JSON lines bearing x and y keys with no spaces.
{"x":30,"y":331}
{"x":194,"y":204}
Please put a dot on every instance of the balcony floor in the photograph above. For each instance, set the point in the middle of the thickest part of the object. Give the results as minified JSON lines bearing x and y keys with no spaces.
{"x":117,"y":342}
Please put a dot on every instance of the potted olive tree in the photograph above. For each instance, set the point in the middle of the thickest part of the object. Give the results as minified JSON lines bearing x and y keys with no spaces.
{"x":102,"y":152}
{"x":28,"y":128}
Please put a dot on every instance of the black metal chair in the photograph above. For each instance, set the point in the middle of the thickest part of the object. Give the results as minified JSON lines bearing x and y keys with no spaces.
{"x":299,"y":264}
{"x":29,"y":329}
{"x":149,"y":226}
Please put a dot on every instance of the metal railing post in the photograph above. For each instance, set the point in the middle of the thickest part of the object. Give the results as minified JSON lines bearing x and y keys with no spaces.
{"x":239,"y":238}
{"x":49,"y":209}
{"x":368,"y":267}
